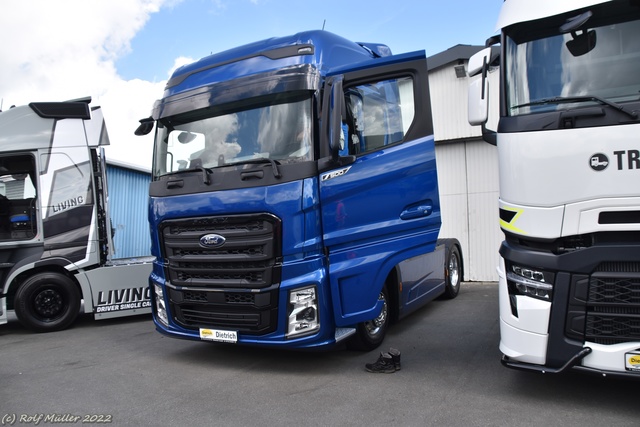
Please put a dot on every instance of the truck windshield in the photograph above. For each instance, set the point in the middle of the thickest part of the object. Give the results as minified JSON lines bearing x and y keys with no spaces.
{"x":274,"y":129}
{"x":547,"y":70}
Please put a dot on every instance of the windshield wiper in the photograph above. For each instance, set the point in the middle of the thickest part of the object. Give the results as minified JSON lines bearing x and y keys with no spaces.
{"x":568,"y":99}
{"x":274,"y":164}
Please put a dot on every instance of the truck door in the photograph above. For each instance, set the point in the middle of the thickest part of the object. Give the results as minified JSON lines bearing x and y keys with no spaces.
{"x":379,"y":196}
{"x":20,"y":230}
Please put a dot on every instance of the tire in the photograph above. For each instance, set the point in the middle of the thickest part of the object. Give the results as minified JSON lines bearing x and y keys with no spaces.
{"x":452,"y":273}
{"x":47,"y":302}
{"x":370,"y":334}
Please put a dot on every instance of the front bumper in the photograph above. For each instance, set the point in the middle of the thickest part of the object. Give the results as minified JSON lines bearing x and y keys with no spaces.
{"x":525,"y":341}
{"x":585,"y":361}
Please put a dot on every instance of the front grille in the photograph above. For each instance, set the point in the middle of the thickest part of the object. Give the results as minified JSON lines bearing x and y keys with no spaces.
{"x":233,"y":286}
{"x":249,"y":258}
{"x":222,"y":319}
{"x":248,"y":312}
{"x":613,"y":305}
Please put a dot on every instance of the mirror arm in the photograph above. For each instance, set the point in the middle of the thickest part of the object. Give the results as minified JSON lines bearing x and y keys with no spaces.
{"x":492,"y":40}
{"x":489,"y":136}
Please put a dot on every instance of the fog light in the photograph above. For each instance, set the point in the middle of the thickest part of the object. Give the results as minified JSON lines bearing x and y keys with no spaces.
{"x":303,"y":312}
{"x":531,"y":282}
{"x":161,"y":311}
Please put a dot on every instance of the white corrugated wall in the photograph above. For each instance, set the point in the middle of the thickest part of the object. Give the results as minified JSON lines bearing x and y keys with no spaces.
{"x":468,"y":180}
{"x":467,"y":175}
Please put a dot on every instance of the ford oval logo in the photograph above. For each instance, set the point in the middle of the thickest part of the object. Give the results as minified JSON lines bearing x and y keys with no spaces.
{"x":212,"y":240}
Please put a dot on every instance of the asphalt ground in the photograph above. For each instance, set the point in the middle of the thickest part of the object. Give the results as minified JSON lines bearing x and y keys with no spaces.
{"x":123,"y":372}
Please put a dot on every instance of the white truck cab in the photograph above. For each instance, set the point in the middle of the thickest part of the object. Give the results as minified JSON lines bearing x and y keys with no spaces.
{"x":56,"y":249}
{"x":569,"y":159}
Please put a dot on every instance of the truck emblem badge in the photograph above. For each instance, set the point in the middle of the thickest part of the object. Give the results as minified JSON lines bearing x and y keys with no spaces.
{"x":599,"y":162}
{"x":212,"y":241}
{"x":335,"y":174}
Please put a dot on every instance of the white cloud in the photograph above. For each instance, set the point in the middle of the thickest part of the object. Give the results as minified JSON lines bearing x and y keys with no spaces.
{"x":179,"y":62}
{"x":60,"y":50}
{"x":123,"y":105}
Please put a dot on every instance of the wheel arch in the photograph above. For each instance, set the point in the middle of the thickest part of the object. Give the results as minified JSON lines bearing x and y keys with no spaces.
{"x":19,"y":275}
{"x":448,"y":244}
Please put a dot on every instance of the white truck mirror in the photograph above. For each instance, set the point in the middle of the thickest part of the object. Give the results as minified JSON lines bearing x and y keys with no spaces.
{"x":479,"y":88}
{"x":478,"y":101}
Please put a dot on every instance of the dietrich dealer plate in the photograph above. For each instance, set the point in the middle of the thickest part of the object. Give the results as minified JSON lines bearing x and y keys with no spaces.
{"x":632,"y":361}
{"x":224,"y":336}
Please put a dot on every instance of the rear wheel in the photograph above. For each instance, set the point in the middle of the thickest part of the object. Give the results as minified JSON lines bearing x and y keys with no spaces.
{"x":452,"y":273}
{"x":370,"y":334}
{"x":47,"y":302}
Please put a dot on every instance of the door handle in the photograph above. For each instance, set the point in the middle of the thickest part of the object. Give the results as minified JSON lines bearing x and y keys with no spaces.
{"x":417,"y":211}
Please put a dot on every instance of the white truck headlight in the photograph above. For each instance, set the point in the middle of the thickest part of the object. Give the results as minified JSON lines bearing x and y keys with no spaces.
{"x":531,"y":282}
{"x":161,"y":310}
{"x":303,"y":312}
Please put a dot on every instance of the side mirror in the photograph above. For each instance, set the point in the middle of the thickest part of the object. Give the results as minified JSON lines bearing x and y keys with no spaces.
{"x":478,"y":108}
{"x":146,"y":126}
{"x":336,"y":107}
{"x":333,"y":109}
{"x":478,"y":95}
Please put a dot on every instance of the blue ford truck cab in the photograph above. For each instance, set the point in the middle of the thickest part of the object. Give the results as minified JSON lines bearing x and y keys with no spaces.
{"x":294,"y":200}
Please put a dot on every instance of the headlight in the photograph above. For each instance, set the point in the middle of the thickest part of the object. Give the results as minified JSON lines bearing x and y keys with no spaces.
{"x":161,"y":310}
{"x":303,"y":312}
{"x":530,"y":282}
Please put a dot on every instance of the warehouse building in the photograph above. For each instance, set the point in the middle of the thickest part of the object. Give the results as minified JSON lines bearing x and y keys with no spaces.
{"x":467,"y":166}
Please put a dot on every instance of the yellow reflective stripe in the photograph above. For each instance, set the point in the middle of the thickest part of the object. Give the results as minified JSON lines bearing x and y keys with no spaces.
{"x":510,"y":225}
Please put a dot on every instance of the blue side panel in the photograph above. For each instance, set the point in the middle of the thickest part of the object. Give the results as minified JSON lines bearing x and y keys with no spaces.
{"x":128,"y":199}
{"x":381,"y":210}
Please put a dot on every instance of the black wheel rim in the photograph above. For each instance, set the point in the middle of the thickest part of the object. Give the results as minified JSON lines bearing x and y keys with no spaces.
{"x":48,"y":304}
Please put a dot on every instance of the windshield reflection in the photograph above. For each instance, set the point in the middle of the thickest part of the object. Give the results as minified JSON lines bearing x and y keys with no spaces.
{"x":545,"y":68}
{"x":276,"y":131}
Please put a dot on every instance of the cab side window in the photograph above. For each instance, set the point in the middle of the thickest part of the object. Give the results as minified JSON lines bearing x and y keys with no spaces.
{"x":378,"y":114}
{"x":17,"y":198}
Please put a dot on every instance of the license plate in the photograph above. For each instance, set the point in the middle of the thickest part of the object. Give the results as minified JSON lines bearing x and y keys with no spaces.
{"x":221,"y":336}
{"x":632,"y":361}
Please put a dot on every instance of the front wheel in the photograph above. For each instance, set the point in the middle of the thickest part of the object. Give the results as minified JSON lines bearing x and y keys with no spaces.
{"x":370,"y":334}
{"x":47,"y":302}
{"x":452,"y":273}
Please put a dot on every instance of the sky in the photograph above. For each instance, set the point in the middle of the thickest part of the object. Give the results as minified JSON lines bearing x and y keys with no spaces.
{"x":122,"y":52}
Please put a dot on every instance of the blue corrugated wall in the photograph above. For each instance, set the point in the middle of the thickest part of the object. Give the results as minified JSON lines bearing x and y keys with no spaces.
{"x":128,"y":198}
